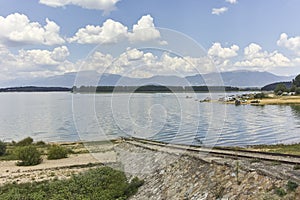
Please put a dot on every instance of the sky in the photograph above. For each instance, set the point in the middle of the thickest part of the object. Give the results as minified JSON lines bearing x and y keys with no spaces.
{"x":142,"y":38}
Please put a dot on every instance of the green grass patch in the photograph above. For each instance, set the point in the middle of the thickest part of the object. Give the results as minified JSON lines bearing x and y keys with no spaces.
{"x":279,"y":148}
{"x":101,"y":183}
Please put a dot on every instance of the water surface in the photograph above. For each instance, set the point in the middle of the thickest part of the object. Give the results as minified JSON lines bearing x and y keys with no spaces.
{"x":164,"y":117}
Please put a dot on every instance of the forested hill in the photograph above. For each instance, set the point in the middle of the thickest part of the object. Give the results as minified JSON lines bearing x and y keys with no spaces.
{"x":35,"y":89}
{"x":272,"y":86}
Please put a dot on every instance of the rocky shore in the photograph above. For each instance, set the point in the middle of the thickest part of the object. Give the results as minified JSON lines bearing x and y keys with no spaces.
{"x":171,"y":175}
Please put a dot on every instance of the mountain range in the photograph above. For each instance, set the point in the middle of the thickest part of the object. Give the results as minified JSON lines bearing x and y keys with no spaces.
{"x":231,"y":78}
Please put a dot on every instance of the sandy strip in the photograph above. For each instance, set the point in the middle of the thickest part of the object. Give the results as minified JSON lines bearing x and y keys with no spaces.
{"x":286,"y":100}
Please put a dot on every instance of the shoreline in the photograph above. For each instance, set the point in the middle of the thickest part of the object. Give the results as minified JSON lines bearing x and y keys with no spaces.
{"x":276,"y":100}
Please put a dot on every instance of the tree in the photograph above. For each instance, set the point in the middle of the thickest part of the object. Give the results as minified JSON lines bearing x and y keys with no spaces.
{"x":296,"y":81}
{"x":25,"y":142}
{"x":280,"y":88}
{"x":2,"y":148}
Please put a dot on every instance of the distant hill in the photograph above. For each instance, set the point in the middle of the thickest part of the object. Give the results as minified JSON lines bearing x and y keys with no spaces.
{"x":245,"y":78}
{"x":232,"y":78}
{"x":272,"y":86}
{"x":35,"y":89}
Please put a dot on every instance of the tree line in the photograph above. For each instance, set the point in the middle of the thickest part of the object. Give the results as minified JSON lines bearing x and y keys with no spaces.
{"x":151,"y":88}
{"x":295,"y":87}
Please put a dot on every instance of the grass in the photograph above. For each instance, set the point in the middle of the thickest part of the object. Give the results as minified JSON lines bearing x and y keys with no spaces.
{"x":101,"y":183}
{"x":279,"y":148}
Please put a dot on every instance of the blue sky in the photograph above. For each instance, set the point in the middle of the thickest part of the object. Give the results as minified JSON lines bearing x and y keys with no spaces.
{"x":42,"y":38}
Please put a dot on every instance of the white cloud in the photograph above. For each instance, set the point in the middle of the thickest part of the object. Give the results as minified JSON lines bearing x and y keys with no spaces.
{"x":60,"y":53}
{"x":219,"y":11}
{"x":255,"y":57}
{"x":34,"y":62}
{"x":43,"y":57}
{"x":16,"y":29}
{"x":216,"y":50}
{"x":137,"y":63}
{"x":110,"y":32}
{"x":292,"y":43}
{"x":232,"y":1}
{"x":105,"y":5}
{"x":134,"y":54}
{"x":144,"y":30}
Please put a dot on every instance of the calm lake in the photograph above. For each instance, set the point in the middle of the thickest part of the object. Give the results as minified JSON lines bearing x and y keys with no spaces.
{"x":164,"y":117}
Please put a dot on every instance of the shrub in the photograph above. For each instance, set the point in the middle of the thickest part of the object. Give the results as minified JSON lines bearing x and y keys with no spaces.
{"x":259,"y":96}
{"x":101,"y":183}
{"x":57,"y":152}
{"x":133,"y":186}
{"x":40,"y":143}
{"x":2,"y":148}
{"x":291,"y":186}
{"x":25,"y":142}
{"x":29,"y":155}
{"x":280,"y":192}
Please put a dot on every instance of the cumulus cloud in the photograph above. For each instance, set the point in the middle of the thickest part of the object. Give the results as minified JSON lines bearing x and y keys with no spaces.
{"x":255,"y":57}
{"x":144,"y":30}
{"x":216,"y":50}
{"x":17,"y":29}
{"x":112,"y":32}
{"x":219,"y":11}
{"x":232,"y":1}
{"x":292,"y":43}
{"x":34,"y":62}
{"x":105,"y":5}
{"x":137,"y":63}
{"x":43,"y":57}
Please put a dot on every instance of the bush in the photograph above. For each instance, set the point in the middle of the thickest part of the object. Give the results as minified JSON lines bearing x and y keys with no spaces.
{"x":133,"y":186}
{"x":40,"y":143}
{"x":29,"y":155}
{"x":280,"y":192}
{"x":57,"y":152}
{"x":25,"y":142}
{"x":259,"y":96}
{"x":291,"y":186}
{"x":2,"y":148}
{"x":101,"y":183}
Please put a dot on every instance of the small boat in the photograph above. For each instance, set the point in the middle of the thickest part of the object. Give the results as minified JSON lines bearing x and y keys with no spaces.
{"x":237,"y":102}
{"x":255,"y":102}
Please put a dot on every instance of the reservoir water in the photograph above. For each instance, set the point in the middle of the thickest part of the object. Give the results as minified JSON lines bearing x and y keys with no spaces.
{"x":164,"y":117}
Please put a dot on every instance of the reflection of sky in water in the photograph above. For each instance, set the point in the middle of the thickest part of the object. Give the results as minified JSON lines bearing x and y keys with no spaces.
{"x":165,"y":117}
